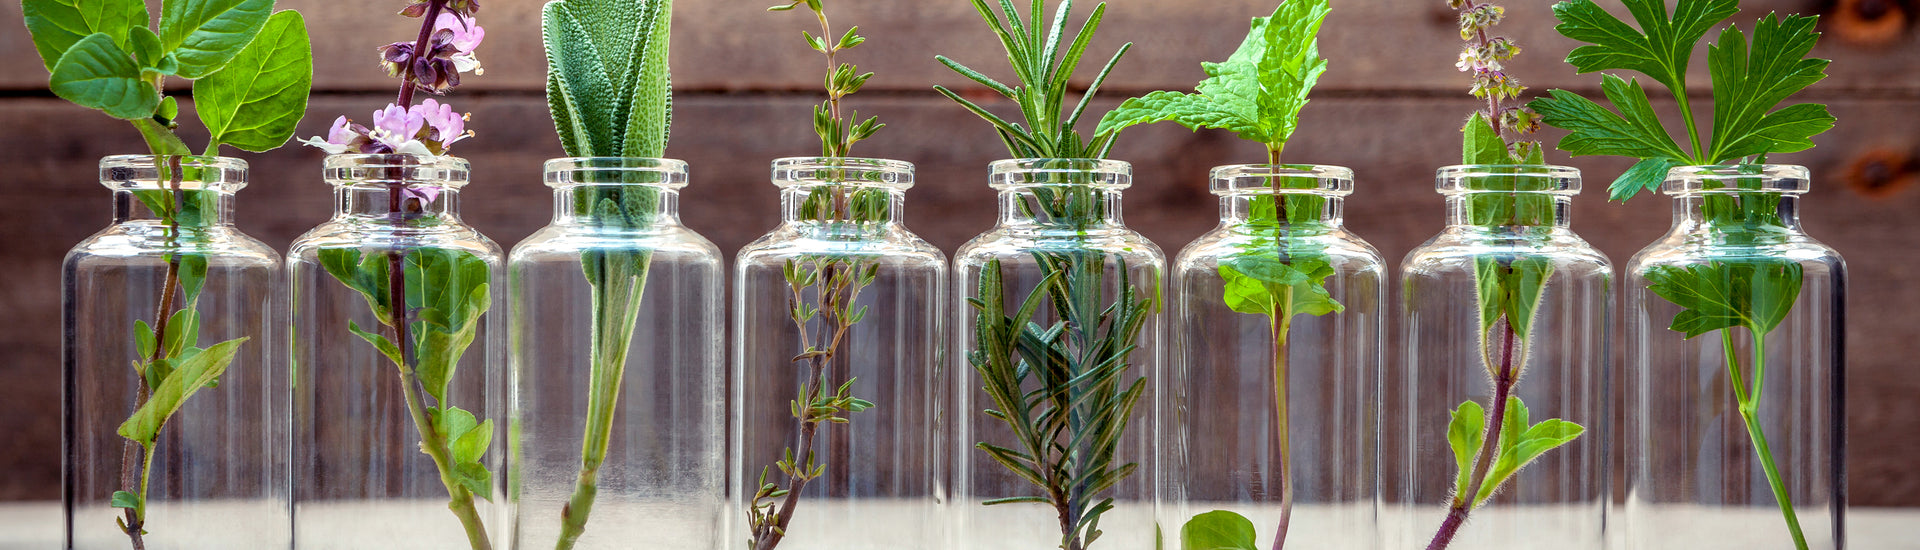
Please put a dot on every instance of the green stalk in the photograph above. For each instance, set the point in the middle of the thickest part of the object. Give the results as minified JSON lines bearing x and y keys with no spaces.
{"x":1282,"y":324}
{"x":459,"y":500}
{"x":611,"y":339}
{"x":1749,"y":415}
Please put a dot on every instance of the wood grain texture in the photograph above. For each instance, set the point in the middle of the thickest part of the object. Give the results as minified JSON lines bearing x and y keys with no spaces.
{"x":1389,"y":109}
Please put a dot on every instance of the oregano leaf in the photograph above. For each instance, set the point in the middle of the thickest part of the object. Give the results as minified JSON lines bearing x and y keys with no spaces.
{"x":258,"y":99}
{"x":97,"y":74}
{"x":204,"y":34}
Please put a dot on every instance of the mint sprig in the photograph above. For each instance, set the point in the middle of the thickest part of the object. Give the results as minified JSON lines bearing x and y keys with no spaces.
{"x":1750,"y":80}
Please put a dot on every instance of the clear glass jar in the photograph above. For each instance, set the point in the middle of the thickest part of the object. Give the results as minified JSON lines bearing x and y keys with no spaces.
{"x":394,"y":407}
{"x":1735,"y":411}
{"x":1059,"y":353}
{"x":1271,"y":397}
{"x":175,"y":409}
{"x":618,"y":371}
{"x":1503,"y":393}
{"x":839,"y":303}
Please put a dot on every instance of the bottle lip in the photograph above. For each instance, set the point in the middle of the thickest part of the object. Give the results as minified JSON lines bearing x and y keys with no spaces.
{"x":863,"y":172}
{"x":1257,"y":179}
{"x":1101,"y":174}
{"x":137,"y":172}
{"x":1728,"y":179}
{"x":363,"y":170}
{"x":567,"y":172}
{"x":1507,"y":178}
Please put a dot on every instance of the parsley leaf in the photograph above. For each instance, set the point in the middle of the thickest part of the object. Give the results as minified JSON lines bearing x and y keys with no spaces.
{"x":1257,"y":93}
{"x":1756,"y":294}
{"x":1749,"y":81}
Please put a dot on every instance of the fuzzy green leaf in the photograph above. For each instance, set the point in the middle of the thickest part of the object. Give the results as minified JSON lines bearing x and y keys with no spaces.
{"x":1464,"y":434}
{"x":1219,"y":530}
{"x":191,"y":373}
{"x":1511,"y":289}
{"x":1257,"y":93}
{"x":608,"y":87}
{"x":96,"y":74}
{"x":1756,"y":294}
{"x":255,"y":102}
{"x":1521,"y":442}
{"x":205,"y":34}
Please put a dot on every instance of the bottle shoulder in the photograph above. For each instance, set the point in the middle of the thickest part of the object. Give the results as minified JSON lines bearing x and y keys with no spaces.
{"x":1681,"y":248}
{"x":336,"y":233}
{"x":1127,"y":244}
{"x":1458,"y":249}
{"x":1344,"y":247}
{"x":137,"y":242}
{"x":570,"y":241}
{"x":895,"y":246}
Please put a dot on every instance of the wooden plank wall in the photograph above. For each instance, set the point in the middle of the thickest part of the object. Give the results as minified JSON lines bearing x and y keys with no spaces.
{"x":1389,"y":108}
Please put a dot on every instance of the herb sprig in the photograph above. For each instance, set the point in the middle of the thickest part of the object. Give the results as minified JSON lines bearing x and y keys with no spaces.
{"x":610,"y":93}
{"x":1044,"y":69}
{"x":1258,"y":93}
{"x":253,"y":71}
{"x":1750,"y":79}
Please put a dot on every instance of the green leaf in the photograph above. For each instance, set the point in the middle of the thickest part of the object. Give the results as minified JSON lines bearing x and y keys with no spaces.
{"x":147,"y":49}
{"x":193,"y":371}
{"x":1521,"y":443}
{"x":1748,"y":83}
{"x":257,"y":100}
{"x":1218,"y":530}
{"x":123,"y":499}
{"x":1756,"y":293}
{"x":1661,"y":52}
{"x":1257,"y":93}
{"x":1256,"y":283}
{"x":380,"y":343}
{"x":1481,"y":144}
{"x":475,"y":478}
{"x":143,"y":341}
{"x":1594,"y":130}
{"x":608,"y":86}
{"x":1647,"y":175}
{"x":96,"y":74}
{"x":205,"y":34}
{"x":56,"y":25}
{"x":1511,"y":289}
{"x":1464,"y":434}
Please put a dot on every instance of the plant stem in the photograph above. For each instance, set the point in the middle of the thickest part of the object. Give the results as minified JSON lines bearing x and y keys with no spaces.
{"x":611,"y":340}
{"x":834,"y":279}
{"x":170,"y":285}
{"x":1750,"y":415}
{"x":408,"y":77}
{"x":1503,"y":382}
{"x":1281,"y":324}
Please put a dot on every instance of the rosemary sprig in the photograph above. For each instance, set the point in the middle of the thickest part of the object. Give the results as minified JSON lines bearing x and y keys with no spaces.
{"x":1044,"y":69}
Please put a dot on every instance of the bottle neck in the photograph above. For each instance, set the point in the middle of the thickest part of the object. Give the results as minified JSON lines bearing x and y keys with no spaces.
{"x":634,"y":207}
{"x":841,"y":207}
{"x":1511,"y":210}
{"x":189,"y":208}
{"x":1737,"y":214}
{"x":1063,"y":207}
{"x":1292,"y":211}
{"x":393,"y":203}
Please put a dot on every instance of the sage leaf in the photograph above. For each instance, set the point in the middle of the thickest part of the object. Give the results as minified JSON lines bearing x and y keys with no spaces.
{"x":96,"y":74}
{"x":608,"y":87}
{"x":205,"y":34}
{"x":255,"y":102}
{"x":191,"y":373}
{"x":1218,"y":530}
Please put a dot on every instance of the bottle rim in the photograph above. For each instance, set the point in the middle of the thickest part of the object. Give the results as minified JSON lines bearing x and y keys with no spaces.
{"x":141,"y":172}
{"x":1512,"y":178}
{"x":861,"y":172}
{"x":1102,"y":174}
{"x":442,"y":171}
{"x":1732,"y":179}
{"x":1256,"y":179}
{"x":567,"y":172}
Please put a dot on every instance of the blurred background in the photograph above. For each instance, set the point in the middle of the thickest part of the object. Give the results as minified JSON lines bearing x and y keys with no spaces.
{"x":1389,"y":107}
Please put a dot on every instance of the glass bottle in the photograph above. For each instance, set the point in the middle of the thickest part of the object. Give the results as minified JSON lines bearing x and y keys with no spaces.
{"x":839,"y":303}
{"x":1271,"y":400}
{"x":617,"y":366}
{"x":394,"y":407}
{"x":175,"y":405}
{"x":1734,"y":404}
{"x":1059,"y":307}
{"x":1503,"y":393}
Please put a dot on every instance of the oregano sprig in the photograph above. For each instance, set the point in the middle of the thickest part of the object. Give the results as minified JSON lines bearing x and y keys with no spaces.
{"x":252,"y":70}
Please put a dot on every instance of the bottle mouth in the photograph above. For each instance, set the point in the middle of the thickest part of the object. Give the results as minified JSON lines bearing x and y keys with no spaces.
{"x":864,"y":172}
{"x":1282,"y":179}
{"x":562,"y":173}
{"x":197,"y":173}
{"x":1732,"y":179}
{"x":1111,"y":175}
{"x":1507,"y":178}
{"x":360,"y":170}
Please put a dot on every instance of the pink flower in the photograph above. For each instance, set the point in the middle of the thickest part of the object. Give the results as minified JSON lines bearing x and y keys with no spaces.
{"x":426,"y":129}
{"x":463,"y":36}
{"x":443,"y":125}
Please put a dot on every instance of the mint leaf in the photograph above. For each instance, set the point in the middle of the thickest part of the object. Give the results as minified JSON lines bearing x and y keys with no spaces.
{"x":1756,"y":294}
{"x":1257,"y":93}
{"x":1748,"y":83}
{"x":204,"y":34}
{"x":1218,"y":530}
{"x":255,"y":102}
{"x":1465,"y":432}
{"x":96,"y":74}
{"x":191,"y":372}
